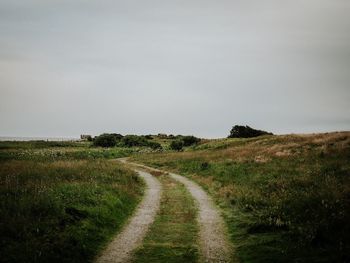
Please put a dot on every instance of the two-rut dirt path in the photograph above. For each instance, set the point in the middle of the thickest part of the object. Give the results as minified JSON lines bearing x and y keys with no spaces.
{"x":213,"y":237}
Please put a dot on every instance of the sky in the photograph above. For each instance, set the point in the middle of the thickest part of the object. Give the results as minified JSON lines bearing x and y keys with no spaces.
{"x":179,"y":67}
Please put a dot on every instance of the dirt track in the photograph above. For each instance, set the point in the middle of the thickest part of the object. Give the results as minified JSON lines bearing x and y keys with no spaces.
{"x":214,"y":244}
{"x":121,"y":248}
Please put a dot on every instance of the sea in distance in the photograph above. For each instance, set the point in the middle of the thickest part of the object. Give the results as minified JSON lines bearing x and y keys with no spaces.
{"x":9,"y":138}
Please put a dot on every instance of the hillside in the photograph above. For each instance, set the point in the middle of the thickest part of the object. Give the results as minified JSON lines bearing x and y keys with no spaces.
{"x":285,"y":198}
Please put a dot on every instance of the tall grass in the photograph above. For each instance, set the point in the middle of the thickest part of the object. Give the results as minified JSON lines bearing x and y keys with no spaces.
{"x":77,"y":153}
{"x":62,"y":211}
{"x":40,"y":144}
{"x":286,"y":198}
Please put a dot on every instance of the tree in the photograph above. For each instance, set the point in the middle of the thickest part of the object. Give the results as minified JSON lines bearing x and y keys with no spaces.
{"x":239,"y":131}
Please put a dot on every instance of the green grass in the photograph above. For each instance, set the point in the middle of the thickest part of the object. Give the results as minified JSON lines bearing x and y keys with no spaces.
{"x":65,"y":153}
{"x":40,"y":144}
{"x":285,"y":198}
{"x":173,"y":236}
{"x":63,"y":211}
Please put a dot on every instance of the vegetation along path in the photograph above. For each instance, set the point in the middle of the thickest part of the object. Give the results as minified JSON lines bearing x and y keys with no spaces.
{"x":173,"y":236}
{"x":214,"y":244}
{"x":121,"y":248}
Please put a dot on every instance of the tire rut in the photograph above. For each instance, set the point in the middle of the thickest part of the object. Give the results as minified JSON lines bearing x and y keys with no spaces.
{"x":214,"y":245}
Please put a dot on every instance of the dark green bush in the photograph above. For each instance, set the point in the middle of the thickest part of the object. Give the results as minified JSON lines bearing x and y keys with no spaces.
{"x":154,"y":145}
{"x":239,"y":131}
{"x":117,"y":136}
{"x":177,"y":145}
{"x":105,"y":140}
{"x":134,"y":140}
{"x":190,"y":140}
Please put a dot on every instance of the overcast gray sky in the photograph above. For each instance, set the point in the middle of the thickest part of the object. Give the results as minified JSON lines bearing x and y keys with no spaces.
{"x":190,"y":67}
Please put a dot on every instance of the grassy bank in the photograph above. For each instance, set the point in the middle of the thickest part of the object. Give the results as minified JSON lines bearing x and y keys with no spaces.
{"x":286,"y":198}
{"x":173,"y":236}
{"x":62,"y":210}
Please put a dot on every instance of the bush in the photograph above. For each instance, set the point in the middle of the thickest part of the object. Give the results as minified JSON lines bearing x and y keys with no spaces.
{"x":154,"y":145}
{"x":114,"y":139}
{"x":134,"y":140}
{"x":117,"y":136}
{"x":239,"y":131}
{"x":190,"y":140}
{"x":177,"y":145}
{"x":105,"y":140}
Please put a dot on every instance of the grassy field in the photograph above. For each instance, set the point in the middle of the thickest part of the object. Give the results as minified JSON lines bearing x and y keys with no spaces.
{"x":61,"y":208}
{"x":285,"y":198}
{"x":41,"y":144}
{"x":173,"y":236}
{"x":53,"y":151}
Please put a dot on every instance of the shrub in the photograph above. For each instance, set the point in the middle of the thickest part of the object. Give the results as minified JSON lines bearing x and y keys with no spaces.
{"x":117,"y":136}
{"x":134,"y":140}
{"x":114,"y":139}
{"x":154,"y":145}
{"x":239,"y":131}
{"x":177,"y":145}
{"x":190,"y":140}
{"x":105,"y":140}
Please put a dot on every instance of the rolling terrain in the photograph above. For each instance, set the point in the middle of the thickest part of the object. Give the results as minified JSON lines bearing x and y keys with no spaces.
{"x":269,"y":199}
{"x":284,"y":198}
